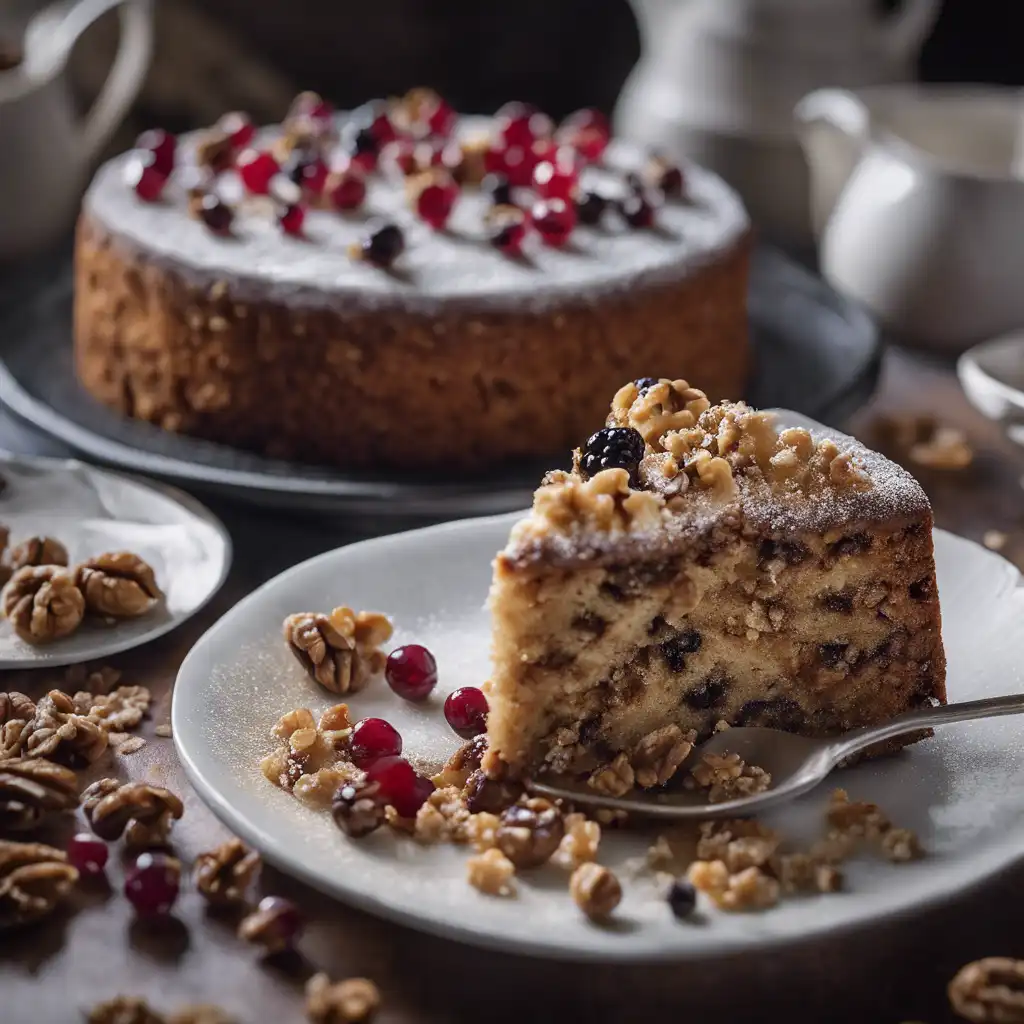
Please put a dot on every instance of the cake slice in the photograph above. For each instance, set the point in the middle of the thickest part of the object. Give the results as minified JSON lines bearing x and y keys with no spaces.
{"x":701,"y":563}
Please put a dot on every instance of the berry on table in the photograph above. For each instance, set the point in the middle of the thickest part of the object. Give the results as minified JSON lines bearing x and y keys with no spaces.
{"x":373,"y":738}
{"x":612,"y":448}
{"x":590,"y":208}
{"x":152,"y":884}
{"x":519,"y":124}
{"x":291,"y":218}
{"x":436,"y":198}
{"x":256,"y":168}
{"x":88,"y":854}
{"x":144,"y":177}
{"x":346,"y":189}
{"x":238,"y":127}
{"x":411,"y":672}
{"x":497,"y":188}
{"x":554,"y":219}
{"x":465,"y":710}
{"x":383,"y":246}
{"x":163,"y":145}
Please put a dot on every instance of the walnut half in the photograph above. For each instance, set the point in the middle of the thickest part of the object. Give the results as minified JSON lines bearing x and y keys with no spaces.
{"x":33,"y":880}
{"x":43,"y":603}
{"x":111,"y":808}
{"x":31,"y":788}
{"x":118,"y":585}
{"x":340,"y":651}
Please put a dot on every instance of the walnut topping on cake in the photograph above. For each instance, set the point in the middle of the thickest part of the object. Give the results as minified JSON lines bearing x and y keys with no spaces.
{"x":654,"y":409}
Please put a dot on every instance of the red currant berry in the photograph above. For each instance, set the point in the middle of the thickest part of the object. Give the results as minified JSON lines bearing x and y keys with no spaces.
{"x":410,"y":804}
{"x":151,"y":885}
{"x":256,"y":168}
{"x":399,"y":157}
{"x":285,"y":923}
{"x":145,"y":177}
{"x":441,"y":120}
{"x":238,"y":127}
{"x":554,"y":219}
{"x":311,"y":176}
{"x":556,"y":181}
{"x":465,"y":710}
{"x":435,"y":201}
{"x":396,"y":779}
{"x":372,"y":738}
{"x":520,"y":124}
{"x":515,"y":162}
{"x":382,"y":129}
{"x":88,"y":854}
{"x":587,"y":132}
{"x":346,"y":189}
{"x":163,"y":145}
{"x":411,"y":672}
{"x":291,"y":218}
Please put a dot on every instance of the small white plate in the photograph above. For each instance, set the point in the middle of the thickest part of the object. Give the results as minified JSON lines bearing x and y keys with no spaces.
{"x":961,"y":791}
{"x":91,"y":511}
{"x":992,"y":375}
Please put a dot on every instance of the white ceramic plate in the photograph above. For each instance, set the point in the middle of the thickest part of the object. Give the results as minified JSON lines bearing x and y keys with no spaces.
{"x":92,"y":511}
{"x":961,"y":790}
{"x":992,"y":375}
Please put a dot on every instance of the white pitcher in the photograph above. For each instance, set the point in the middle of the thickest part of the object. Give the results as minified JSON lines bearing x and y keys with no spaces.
{"x":45,"y":151}
{"x":918,"y":197}
{"x":718,"y":80}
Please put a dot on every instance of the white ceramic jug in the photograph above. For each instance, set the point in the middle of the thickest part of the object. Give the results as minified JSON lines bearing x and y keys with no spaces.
{"x":918,"y":196}
{"x":45,"y":151}
{"x":718,"y":80}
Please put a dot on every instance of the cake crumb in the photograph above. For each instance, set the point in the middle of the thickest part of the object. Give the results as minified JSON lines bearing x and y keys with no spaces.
{"x":900,"y":845}
{"x":163,"y":731}
{"x":749,"y":889}
{"x":579,"y":844}
{"x":994,"y":540}
{"x":492,"y":873}
{"x":728,"y":777}
{"x":130,"y":745}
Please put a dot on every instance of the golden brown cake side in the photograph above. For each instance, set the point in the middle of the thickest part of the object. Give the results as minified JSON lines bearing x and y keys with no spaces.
{"x":811,"y":610}
{"x":461,"y":389}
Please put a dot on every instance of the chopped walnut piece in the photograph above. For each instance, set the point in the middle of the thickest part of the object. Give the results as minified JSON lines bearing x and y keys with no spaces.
{"x":308,"y":747}
{"x":659,"y":754}
{"x":340,"y":651}
{"x":341,"y":1002}
{"x":579,"y":844}
{"x":122,"y":709}
{"x":443,"y":816}
{"x":214,"y":150}
{"x":480,"y":829}
{"x":614,"y":779}
{"x":357,"y":809}
{"x":118,"y":584}
{"x":749,"y":889}
{"x":596,"y":890}
{"x":728,"y":777}
{"x":605,"y":503}
{"x":530,"y":832}
{"x":56,"y":732}
{"x":200,"y":1014}
{"x":857,"y":818}
{"x":38,"y":551}
{"x":989,"y":991}
{"x":30,"y":789}
{"x":802,"y":872}
{"x":656,"y":410}
{"x":33,"y":880}
{"x":224,"y":875}
{"x":491,"y":872}
{"x":125,"y":1010}
{"x":43,"y":603}
{"x":110,"y":807}
{"x":716,"y":836}
{"x":16,"y":711}
{"x":900,"y":845}
{"x":462,"y":763}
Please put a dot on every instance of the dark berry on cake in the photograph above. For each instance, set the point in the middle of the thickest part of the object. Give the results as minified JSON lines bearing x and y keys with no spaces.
{"x":506,"y":229}
{"x":682,"y":898}
{"x":497,"y":188}
{"x":163,"y":145}
{"x":587,"y":132}
{"x":519,"y":124}
{"x":554,"y":219}
{"x":590,"y":208}
{"x":383,"y":245}
{"x":346,"y":189}
{"x":362,"y":149}
{"x":215,"y":214}
{"x":291,"y":218}
{"x":637,"y":210}
{"x":666,"y":177}
{"x":612,"y":448}
{"x":435,"y":198}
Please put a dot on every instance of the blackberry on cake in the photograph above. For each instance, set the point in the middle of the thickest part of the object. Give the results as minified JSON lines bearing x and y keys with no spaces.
{"x":716,"y":566}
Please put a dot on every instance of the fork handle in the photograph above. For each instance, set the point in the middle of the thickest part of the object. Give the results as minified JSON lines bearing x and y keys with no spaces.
{"x":925,"y":718}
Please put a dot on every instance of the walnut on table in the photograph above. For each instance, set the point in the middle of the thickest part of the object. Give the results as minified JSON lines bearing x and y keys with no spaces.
{"x":16,"y":711}
{"x":989,"y":991}
{"x":342,"y":1002}
{"x":140,"y":812}
{"x":340,"y":651}
{"x":122,"y":709}
{"x":224,"y":875}
{"x":43,"y":603}
{"x":32,"y":788}
{"x":38,"y":551}
{"x":596,"y":890}
{"x":118,"y":585}
{"x":33,"y":880}
{"x":57,"y":732}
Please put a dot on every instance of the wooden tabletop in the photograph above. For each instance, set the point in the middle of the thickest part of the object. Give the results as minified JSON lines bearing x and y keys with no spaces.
{"x":891,"y":973}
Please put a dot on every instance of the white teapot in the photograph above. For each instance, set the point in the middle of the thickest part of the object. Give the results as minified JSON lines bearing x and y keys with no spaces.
{"x":718,"y":79}
{"x":45,"y":152}
{"x":918,"y":198}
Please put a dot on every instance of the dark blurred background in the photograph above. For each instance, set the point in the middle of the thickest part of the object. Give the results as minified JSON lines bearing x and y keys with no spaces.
{"x":213,"y":55}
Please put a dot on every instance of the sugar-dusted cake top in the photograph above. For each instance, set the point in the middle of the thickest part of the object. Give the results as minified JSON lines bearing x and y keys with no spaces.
{"x":669,"y":467}
{"x":347,"y":175}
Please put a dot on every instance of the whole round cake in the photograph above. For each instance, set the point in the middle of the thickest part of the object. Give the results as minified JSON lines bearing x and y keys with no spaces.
{"x":401,"y":288}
